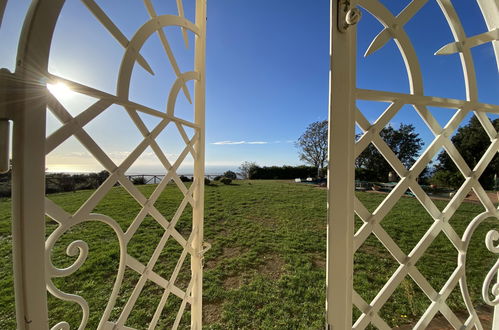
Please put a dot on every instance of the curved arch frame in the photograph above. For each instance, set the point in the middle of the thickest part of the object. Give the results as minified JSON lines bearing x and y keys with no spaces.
{"x":27,"y":110}
{"x":32,"y":255}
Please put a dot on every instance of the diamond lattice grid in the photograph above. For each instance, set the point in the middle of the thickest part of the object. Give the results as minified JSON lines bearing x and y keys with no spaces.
{"x":169,"y":221}
{"x":439,"y":222}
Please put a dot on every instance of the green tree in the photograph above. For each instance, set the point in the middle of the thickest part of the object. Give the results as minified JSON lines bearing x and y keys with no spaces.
{"x":471,"y":141}
{"x":313,"y":144}
{"x":405,"y":144}
{"x":247,"y":168}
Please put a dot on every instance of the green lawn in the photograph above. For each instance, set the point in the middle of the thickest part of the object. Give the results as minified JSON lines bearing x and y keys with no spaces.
{"x":266,"y":268}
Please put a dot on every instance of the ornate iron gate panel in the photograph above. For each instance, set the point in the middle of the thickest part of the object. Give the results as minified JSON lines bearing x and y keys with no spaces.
{"x":24,"y":99}
{"x":343,"y":240}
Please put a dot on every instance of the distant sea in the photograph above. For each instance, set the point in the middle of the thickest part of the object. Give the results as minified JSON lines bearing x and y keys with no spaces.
{"x":209,"y":170}
{"x":186,"y":170}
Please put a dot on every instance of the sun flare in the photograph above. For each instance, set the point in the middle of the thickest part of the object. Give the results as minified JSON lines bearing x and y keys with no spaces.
{"x":59,"y":89}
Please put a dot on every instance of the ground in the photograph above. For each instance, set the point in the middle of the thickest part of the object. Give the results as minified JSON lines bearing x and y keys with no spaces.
{"x":266,"y":268}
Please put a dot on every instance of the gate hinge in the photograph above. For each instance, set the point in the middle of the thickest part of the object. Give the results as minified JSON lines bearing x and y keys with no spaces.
{"x":347,"y":16}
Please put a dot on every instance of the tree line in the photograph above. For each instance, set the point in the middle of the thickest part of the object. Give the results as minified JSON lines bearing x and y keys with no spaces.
{"x":59,"y":182}
{"x":252,"y":171}
{"x":471,"y":140}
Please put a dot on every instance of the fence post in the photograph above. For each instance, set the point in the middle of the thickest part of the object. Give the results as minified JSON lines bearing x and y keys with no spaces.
{"x":340,"y":226}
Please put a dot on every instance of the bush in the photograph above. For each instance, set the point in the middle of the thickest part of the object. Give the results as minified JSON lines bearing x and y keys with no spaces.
{"x":139,"y":180}
{"x":218,"y":178}
{"x":230,"y":175}
{"x":445,"y":178}
{"x":89,"y":184}
{"x":225,"y":180}
{"x":4,"y":189}
{"x":282,"y":172}
{"x":207,"y":181}
{"x":183,"y":178}
{"x":66,"y":182}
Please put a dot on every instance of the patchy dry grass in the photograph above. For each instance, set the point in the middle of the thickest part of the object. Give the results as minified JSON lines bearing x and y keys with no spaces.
{"x":267,"y":265}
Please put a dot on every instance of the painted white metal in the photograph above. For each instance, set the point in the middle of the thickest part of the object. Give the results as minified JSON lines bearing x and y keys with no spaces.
{"x":27,"y":110}
{"x":28,"y":114}
{"x":490,"y":10}
{"x":394,"y":29}
{"x":199,"y":171}
{"x":34,"y":269}
{"x":339,"y":274}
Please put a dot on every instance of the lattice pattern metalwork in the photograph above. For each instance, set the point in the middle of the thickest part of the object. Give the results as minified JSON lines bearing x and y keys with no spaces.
{"x":74,"y":126}
{"x":373,"y":221}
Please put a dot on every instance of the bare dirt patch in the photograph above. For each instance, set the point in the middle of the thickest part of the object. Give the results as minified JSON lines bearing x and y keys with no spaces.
{"x":273,"y":266}
{"x":374,"y":251}
{"x":211,"y":264}
{"x":319,"y":262}
{"x":212,"y":313}
{"x":228,"y":252}
{"x":232,"y":282}
{"x":264,"y":221}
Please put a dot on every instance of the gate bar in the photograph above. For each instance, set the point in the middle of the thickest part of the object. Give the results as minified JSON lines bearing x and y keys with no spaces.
{"x":490,"y":11}
{"x":339,"y":273}
{"x":199,"y":170}
{"x":25,"y":97}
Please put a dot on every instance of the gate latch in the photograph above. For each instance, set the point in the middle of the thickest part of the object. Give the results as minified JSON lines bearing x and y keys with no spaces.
{"x":347,"y":16}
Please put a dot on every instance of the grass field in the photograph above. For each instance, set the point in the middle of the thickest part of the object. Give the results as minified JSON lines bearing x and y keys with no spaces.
{"x":266,"y":268}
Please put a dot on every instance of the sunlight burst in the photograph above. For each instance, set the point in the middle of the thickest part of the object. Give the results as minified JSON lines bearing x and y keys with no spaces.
{"x":59,"y":89}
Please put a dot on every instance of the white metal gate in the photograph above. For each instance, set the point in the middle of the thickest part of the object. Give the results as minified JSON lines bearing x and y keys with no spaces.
{"x":24,"y":100}
{"x":343,"y":241}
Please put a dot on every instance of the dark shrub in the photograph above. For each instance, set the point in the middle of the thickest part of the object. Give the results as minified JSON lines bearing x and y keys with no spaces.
{"x":218,"y":178}
{"x":4,"y":189}
{"x":207,"y":181}
{"x":230,"y":175}
{"x":226,"y":180}
{"x":66,"y":182}
{"x":139,"y":180}
{"x":183,"y":178}
{"x":282,"y":172}
{"x":101,"y":176}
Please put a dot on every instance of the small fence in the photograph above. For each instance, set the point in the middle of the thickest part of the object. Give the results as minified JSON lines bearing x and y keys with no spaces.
{"x":156,"y":178}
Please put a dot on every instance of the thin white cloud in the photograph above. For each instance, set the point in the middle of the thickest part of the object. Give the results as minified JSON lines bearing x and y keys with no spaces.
{"x":78,"y":154}
{"x":239,"y":142}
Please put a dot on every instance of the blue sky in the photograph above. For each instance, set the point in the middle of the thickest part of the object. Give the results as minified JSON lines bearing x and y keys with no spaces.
{"x":267,"y":74}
